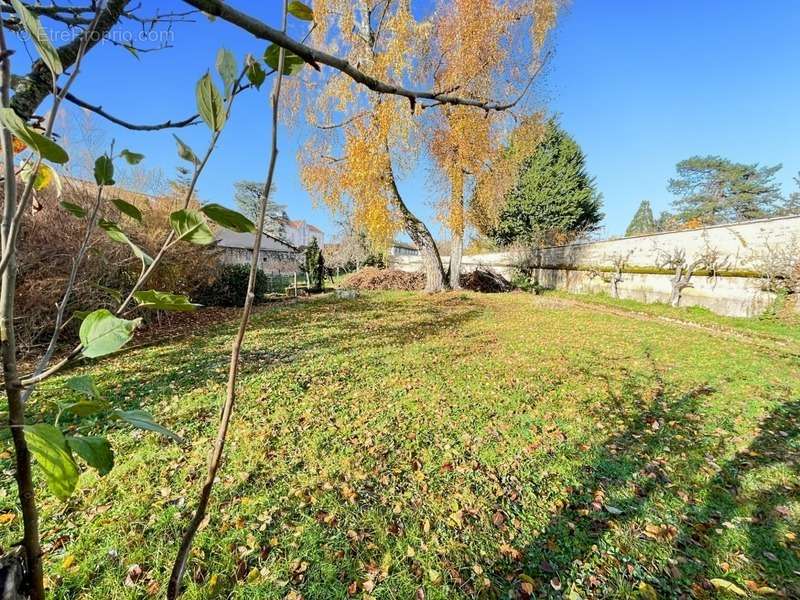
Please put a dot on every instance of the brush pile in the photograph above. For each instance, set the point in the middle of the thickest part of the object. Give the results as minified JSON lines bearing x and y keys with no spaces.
{"x":485,"y":282}
{"x":370,"y":278}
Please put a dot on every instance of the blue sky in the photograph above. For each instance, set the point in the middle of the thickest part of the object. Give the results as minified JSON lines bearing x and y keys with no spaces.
{"x":639,"y":84}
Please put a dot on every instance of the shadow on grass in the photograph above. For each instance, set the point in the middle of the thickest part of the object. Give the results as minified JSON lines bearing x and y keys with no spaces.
{"x":630,"y":464}
{"x":276,"y":337}
{"x":776,"y":446}
{"x":571,"y":553}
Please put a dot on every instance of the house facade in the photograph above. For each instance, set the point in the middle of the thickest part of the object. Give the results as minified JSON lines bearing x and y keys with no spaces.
{"x":276,"y":255}
{"x":300,"y":233}
{"x":403,"y":249}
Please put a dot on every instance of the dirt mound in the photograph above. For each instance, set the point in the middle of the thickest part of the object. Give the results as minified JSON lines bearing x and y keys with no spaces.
{"x":486,"y":282}
{"x":370,"y":278}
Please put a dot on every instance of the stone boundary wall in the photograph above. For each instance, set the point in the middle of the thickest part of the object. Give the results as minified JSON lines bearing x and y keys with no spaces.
{"x":737,"y":292}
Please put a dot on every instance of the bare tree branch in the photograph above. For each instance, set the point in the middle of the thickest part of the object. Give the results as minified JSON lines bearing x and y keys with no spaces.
{"x":316,"y":57}
{"x":174,"y":585}
{"x":98,"y":110}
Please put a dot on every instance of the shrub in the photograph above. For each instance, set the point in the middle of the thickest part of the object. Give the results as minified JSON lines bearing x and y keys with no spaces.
{"x":50,"y":238}
{"x":315,"y":266}
{"x":230,"y":287}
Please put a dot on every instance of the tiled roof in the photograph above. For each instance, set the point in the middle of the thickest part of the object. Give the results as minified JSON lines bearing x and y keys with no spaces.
{"x":232,"y":239}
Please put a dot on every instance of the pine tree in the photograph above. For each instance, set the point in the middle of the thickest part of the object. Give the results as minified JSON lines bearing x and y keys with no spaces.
{"x":248,"y":198}
{"x":553,"y":195}
{"x":791,"y":207}
{"x":715,"y":190}
{"x":643,"y":221}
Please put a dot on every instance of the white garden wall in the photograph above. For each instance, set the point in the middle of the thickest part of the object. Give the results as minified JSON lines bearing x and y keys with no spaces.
{"x":571,"y":267}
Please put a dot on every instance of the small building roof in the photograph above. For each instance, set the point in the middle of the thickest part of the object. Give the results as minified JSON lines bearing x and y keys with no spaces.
{"x":399,"y":244}
{"x":296,"y":224}
{"x":244,"y":241}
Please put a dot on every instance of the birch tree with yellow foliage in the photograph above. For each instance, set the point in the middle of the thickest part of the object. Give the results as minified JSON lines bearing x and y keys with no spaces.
{"x":483,"y":46}
{"x":365,"y":142}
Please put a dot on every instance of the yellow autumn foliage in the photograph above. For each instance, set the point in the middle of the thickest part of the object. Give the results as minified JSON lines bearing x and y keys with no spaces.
{"x":363,"y":142}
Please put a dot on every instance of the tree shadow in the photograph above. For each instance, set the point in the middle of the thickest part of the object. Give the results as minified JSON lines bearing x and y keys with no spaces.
{"x":777,"y":446}
{"x":610,"y":493}
{"x":566,"y":554}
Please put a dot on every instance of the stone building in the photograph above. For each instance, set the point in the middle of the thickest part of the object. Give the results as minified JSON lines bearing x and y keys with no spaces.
{"x":277,"y":256}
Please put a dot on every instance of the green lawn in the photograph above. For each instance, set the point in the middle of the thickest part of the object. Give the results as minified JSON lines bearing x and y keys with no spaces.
{"x":401,"y":446}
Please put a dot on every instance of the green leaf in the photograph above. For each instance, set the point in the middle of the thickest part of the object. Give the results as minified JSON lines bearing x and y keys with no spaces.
{"x":95,"y":450}
{"x":102,"y":333}
{"x":191,"y":227}
{"x":39,"y":37}
{"x":115,"y":295}
{"x":292,"y":64}
{"x":301,"y":11}
{"x":185,"y":152}
{"x":132,"y":158}
{"x":163,"y":301}
{"x":40,"y":144}
{"x":209,"y":103}
{"x":128,"y":209}
{"x":104,"y":171}
{"x":86,"y":408}
{"x":143,"y":420}
{"x":81,"y":314}
{"x":73,"y":209}
{"x":226,"y":67}
{"x":115,"y":233}
{"x":229,"y":219}
{"x":255,"y":73}
{"x":83,"y":408}
{"x":130,"y":48}
{"x":83,"y":384}
{"x":50,"y":450}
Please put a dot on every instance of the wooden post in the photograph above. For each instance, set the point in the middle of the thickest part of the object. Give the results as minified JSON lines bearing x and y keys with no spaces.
{"x":295,"y":284}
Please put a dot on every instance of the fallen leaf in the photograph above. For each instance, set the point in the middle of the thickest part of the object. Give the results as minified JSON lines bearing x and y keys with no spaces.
{"x":510,"y":552}
{"x":722,"y":584}
{"x":135,"y":573}
{"x":647,"y":591}
{"x":527,"y":588}
{"x":498,"y":518}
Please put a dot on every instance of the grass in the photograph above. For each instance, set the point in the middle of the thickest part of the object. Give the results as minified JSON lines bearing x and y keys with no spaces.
{"x":455,"y":446}
{"x":780,"y":322}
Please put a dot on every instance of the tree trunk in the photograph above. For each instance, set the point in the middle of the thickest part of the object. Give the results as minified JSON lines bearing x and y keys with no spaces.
{"x":457,"y":226}
{"x":421,"y":236}
{"x":11,"y":382}
{"x":675,"y":297}
{"x":456,"y":252}
{"x":431,"y":261}
{"x":32,"y":89}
